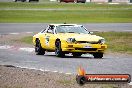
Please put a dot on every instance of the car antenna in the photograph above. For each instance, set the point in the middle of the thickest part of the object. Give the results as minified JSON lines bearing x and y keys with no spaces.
{"x":64,"y":22}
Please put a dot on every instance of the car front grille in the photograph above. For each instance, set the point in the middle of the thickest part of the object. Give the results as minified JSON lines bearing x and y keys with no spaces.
{"x":86,"y":49}
{"x":92,"y":42}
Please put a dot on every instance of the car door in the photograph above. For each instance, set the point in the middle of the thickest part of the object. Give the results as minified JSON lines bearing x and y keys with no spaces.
{"x":50,"y":38}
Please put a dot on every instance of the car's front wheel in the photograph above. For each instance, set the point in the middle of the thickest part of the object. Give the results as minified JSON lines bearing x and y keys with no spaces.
{"x":58,"y":50}
{"x":98,"y":55}
{"x":38,"y":49}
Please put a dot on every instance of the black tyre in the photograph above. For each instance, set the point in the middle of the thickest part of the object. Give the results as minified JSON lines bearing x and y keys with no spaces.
{"x":58,"y":50}
{"x":81,"y":80}
{"x":76,"y":54}
{"x":38,"y":49}
{"x":98,"y":55}
{"x":15,"y":0}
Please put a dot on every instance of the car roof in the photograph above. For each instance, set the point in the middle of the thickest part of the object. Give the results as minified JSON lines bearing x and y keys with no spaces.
{"x":65,"y":25}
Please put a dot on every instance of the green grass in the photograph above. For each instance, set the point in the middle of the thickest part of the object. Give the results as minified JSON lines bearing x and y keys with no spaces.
{"x":117,"y":41}
{"x":71,"y":13}
{"x":66,"y":16}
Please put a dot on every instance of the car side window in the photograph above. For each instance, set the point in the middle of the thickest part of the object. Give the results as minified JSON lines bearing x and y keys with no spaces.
{"x":50,"y":29}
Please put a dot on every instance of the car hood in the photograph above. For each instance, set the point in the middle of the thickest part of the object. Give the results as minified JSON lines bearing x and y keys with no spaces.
{"x":79,"y":37}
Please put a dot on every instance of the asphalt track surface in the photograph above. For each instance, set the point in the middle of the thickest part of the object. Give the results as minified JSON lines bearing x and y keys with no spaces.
{"x":36,"y":27}
{"x":110,"y":64}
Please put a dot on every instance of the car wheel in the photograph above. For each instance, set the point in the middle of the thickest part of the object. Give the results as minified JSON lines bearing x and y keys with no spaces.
{"x":58,"y":50}
{"x":38,"y":49}
{"x":98,"y":55}
{"x":76,"y":54}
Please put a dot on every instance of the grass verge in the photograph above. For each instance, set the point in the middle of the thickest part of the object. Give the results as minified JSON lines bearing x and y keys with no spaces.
{"x":70,"y":13}
{"x":116,"y":41}
{"x":91,"y":16}
{"x":27,"y":39}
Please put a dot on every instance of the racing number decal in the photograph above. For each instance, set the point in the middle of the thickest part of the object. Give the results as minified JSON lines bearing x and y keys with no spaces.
{"x":47,"y":40}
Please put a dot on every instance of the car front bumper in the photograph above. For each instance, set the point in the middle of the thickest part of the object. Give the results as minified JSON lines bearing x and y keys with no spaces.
{"x":83,"y":48}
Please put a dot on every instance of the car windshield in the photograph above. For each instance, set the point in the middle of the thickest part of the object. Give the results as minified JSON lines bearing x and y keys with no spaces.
{"x":71,"y":29}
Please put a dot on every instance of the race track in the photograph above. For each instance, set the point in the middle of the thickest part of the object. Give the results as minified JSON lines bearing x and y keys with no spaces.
{"x":109,"y":64}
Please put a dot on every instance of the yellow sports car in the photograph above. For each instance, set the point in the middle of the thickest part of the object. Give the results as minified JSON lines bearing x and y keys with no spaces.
{"x":68,"y":38}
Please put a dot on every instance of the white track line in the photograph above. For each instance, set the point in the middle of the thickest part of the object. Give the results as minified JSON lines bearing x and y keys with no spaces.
{"x":27,"y":49}
{"x":5,"y":47}
{"x":43,"y":70}
{"x":113,"y":3}
{"x":55,"y":71}
{"x":46,"y":70}
{"x":29,"y":32}
{"x":68,"y":73}
{"x":14,"y":33}
{"x":130,"y":83}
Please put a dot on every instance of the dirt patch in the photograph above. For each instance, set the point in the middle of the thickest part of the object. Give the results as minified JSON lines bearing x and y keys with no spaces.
{"x":13,"y":77}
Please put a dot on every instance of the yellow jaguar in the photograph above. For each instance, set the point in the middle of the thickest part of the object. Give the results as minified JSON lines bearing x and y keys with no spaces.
{"x":68,"y":38}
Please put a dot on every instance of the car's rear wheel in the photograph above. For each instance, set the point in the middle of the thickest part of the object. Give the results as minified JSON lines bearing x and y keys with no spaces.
{"x":76,"y":54}
{"x":58,"y":50}
{"x":98,"y":55}
{"x":38,"y":49}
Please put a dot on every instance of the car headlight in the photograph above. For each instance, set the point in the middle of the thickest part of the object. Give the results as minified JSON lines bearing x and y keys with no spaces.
{"x":71,"y":40}
{"x":102,"y":41}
